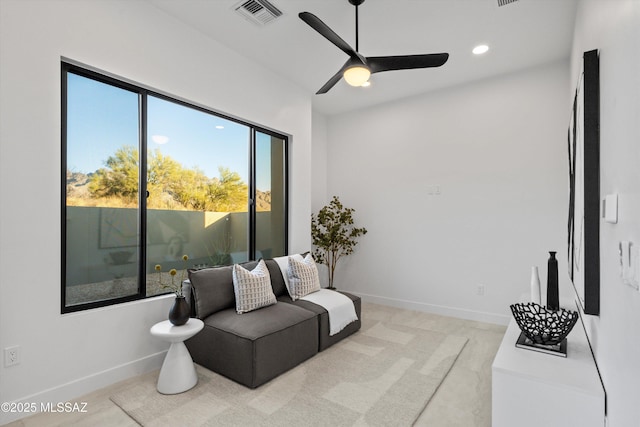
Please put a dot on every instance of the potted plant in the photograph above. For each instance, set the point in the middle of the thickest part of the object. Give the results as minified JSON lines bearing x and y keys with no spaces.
{"x":334,"y":235}
{"x":179,"y":313}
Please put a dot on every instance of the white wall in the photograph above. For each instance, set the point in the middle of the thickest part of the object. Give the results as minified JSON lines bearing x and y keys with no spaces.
{"x":319,"y":162}
{"x":613,"y":27}
{"x":497,"y":150}
{"x":63,"y":356}
{"x":319,"y":197}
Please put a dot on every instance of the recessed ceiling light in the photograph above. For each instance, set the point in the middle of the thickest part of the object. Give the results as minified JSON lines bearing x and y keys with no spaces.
{"x":160,"y":139}
{"x":480,"y":49}
{"x":219,"y":127}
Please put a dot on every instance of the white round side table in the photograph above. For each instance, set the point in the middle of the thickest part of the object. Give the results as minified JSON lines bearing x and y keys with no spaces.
{"x":178,"y":374}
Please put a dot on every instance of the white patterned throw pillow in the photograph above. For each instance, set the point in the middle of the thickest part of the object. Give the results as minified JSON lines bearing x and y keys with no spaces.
{"x":252,"y":288}
{"x":303,"y":277}
{"x":283,"y":263}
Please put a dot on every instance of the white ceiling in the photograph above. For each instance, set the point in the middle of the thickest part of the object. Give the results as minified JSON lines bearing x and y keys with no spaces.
{"x":520,"y":35}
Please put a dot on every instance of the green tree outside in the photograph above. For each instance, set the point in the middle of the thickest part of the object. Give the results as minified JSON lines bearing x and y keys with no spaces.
{"x":170,"y":185}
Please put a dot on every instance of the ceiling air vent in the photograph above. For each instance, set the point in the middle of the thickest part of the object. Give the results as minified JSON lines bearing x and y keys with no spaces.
{"x":505,"y":2}
{"x":260,"y":12}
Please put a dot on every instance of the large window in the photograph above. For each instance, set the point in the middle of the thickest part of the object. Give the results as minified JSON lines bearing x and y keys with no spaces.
{"x":148,"y":179}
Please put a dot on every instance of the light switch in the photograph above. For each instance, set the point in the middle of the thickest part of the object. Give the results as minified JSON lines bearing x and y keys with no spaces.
{"x":611,"y":208}
{"x":434,"y":190}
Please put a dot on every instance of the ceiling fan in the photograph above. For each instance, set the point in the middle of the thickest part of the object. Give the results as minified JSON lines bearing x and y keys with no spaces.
{"x":358,"y":68}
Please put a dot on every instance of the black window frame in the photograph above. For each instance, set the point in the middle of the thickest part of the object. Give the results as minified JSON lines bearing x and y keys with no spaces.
{"x":143,"y":94}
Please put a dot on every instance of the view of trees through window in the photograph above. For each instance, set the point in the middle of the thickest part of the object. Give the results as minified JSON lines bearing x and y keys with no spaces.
{"x":214,"y":190}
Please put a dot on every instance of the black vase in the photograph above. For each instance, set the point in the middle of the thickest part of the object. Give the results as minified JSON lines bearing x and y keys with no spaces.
{"x":179,"y":313}
{"x":553,"y":299}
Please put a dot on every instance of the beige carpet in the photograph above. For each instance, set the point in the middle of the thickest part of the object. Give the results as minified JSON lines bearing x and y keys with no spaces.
{"x":384,"y":375}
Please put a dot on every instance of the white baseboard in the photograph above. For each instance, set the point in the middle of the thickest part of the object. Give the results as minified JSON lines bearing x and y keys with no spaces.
{"x":461,"y":313}
{"x":72,"y":390}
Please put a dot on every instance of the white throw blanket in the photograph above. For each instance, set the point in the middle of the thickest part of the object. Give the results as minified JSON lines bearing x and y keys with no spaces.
{"x":340,"y":308}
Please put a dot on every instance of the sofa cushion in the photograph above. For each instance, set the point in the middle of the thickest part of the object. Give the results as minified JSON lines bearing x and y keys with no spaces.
{"x":303,"y":277}
{"x":277,"y":280}
{"x":212,"y":289}
{"x":324,"y":339}
{"x":259,"y":323}
{"x":252,"y":289}
{"x":257,"y":346}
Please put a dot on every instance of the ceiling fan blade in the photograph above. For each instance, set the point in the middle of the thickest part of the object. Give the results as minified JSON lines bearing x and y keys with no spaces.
{"x":335,"y":79}
{"x":406,"y":62}
{"x":331,"y":83}
{"x":315,"y":23}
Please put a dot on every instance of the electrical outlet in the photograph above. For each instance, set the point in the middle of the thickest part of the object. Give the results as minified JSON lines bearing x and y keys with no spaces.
{"x":434,"y":190}
{"x":11,"y":356}
{"x":480,"y":290}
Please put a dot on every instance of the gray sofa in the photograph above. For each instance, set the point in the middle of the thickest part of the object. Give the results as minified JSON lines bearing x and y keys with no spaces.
{"x":255,"y":347}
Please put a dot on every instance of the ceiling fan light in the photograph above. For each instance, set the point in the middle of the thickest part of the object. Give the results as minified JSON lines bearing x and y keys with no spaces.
{"x":357,"y":75}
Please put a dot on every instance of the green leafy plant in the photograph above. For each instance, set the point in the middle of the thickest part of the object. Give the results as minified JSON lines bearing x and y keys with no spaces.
{"x":334,"y":235}
{"x":169,"y":183}
{"x":176,"y":288}
{"x":220,"y":245}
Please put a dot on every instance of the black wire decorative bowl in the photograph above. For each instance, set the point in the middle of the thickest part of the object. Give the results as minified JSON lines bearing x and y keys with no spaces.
{"x":541,"y":325}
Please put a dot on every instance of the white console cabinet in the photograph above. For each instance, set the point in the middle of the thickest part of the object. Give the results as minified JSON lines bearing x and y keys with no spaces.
{"x":537,"y":389}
